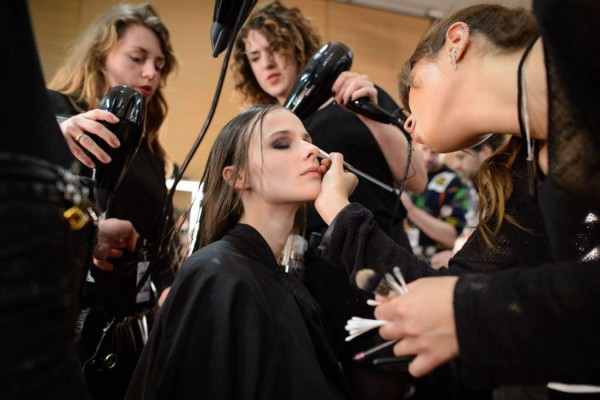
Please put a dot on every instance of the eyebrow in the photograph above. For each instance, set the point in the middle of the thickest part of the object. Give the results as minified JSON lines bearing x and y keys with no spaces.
{"x":287,"y":132}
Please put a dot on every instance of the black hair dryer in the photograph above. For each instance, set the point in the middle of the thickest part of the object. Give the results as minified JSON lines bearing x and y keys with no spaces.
{"x":130,"y":107}
{"x":313,"y":85}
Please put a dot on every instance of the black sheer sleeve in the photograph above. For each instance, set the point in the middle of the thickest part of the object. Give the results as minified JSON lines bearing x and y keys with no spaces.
{"x":527,"y":326}
{"x":354,"y":241}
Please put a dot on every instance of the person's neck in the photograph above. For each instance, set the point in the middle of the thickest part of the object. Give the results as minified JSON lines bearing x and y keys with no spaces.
{"x":273,"y":223}
{"x":491,"y":93}
{"x":495,"y":87}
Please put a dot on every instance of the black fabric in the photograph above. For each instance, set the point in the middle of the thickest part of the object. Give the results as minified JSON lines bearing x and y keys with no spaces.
{"x":526,"y":326}
{"x":236,"y":326}
{"x":573,"y":85}
{"x":27,"y":123}
{"x":42,"y":261}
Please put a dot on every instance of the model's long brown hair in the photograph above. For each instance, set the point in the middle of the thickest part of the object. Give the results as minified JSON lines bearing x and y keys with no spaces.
{"x":221,"y":203}
{"x":507,"y":30}
{"x":81,"y":78}
{"x":284,"y":27}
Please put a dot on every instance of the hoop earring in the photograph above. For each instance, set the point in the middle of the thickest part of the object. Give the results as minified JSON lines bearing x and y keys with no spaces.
{"x":453,"y":59}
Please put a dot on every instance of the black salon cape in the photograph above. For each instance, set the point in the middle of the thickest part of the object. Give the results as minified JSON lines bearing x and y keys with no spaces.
{"x":234,"y":326}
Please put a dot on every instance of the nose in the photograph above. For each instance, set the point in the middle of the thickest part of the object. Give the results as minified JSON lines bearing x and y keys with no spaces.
{"x":150,"y":71}
{"x":268,"y":59}
{"x":313,"y":151}
{"x":408,"y":125}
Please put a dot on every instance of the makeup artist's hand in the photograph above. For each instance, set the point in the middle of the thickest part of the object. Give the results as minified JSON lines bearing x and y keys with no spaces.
{"x":336,"y":187}
{"x":113,"y":236}
{"x":424,"y":321}
{"x":78,"y":129}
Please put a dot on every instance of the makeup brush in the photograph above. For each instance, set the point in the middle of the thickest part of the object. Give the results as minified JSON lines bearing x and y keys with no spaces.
{"x":368,"y":280}
{"x":364,"y":354}
{"x":393,"y":363}
{"x":395,"y":283}
{"x":350,"y":168}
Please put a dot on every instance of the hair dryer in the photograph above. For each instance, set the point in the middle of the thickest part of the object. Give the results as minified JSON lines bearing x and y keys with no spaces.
{"x":130,"y":107}
{"x":313,"y":86}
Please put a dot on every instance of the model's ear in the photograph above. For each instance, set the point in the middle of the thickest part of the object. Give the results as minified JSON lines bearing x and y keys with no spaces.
{"x":237,"y":182}
{"x":457,"y":39}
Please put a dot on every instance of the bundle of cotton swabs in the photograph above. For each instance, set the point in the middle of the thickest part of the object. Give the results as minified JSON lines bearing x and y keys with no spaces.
{"x":357,"y":326}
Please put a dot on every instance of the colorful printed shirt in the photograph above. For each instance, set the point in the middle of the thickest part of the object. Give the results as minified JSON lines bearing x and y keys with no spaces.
{"x":447,"y":198}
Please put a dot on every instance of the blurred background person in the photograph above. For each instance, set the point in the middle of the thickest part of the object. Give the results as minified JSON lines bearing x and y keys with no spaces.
{"x":438,"y":215}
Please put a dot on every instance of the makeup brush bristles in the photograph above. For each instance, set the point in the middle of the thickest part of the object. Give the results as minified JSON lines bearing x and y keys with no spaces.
{"x":368,"y":280}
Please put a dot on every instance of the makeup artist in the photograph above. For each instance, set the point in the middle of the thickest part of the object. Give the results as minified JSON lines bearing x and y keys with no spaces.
{"x":521,"y":325}
{"x":271,"y":50}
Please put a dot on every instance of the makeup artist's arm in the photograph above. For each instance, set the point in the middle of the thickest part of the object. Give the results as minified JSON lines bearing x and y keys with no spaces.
{"x":518,"y":326}
{"x":353,"y":239}
{"x":391,"y":140}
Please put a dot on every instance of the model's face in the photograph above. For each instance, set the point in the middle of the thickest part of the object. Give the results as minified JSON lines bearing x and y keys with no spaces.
{"x":433,"y":161}
{"x":136,"y":61}
{"x":275,"y":70}
{"x":283,"y":165}
{"x":437,"y":97}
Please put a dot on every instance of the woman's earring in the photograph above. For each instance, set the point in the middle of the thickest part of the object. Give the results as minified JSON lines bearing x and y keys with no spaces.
{"x":453,"y":59}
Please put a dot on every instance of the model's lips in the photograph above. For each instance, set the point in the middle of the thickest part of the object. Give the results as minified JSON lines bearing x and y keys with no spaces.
{"x":312,"y":170}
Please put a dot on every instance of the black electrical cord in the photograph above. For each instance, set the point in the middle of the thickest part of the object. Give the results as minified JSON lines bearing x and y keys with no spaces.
{"x":166,"y":238}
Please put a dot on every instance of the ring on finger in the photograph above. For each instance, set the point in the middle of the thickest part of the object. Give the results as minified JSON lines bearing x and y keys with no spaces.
{"x":78,"y":138}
